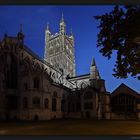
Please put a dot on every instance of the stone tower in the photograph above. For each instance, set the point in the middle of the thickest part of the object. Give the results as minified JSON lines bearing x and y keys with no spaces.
{"x":59,"y":49}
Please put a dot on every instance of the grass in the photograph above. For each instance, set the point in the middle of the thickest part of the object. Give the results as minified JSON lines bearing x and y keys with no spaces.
{"x":71,"y":127}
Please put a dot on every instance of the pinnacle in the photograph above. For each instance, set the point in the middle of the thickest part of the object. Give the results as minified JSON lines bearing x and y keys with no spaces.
{"x":93,"y":62}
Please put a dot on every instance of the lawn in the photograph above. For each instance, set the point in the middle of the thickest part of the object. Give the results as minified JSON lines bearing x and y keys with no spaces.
{"x":71,"y":127}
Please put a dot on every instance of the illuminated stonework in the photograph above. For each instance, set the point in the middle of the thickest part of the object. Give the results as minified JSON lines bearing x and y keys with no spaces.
{"x":59,"y":49}
{"x":33,"y":88}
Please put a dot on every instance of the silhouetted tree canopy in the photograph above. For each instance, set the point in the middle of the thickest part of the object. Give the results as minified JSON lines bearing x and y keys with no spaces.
{"x":120,"y":32}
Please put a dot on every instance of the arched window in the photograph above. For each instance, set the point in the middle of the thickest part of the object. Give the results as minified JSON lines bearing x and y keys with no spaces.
{"x":64,"y":96}
{"x":25,"y":102}
{"x":36,"y":82}
{"x":55,"y":94}
{"x":54,"y":102}
{"x":88,"y":105}
{"x":78,"y":106}
{"x":63,"y":105}
{"x":46,"y":103}
{"x":36,"y":102}
{"x":11,"y":71}
{"x":25,"y":86}
{"x":88,"y":95}
{"x":36,"y":117}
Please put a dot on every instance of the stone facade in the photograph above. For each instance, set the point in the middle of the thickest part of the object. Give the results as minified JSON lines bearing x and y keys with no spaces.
{"x":34,"y":88}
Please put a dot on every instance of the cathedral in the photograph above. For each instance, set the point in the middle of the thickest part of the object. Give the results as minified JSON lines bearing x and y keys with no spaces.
{"x":35,"y":88}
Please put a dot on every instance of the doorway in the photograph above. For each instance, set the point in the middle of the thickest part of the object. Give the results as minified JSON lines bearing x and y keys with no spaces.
{"x":87,"y":115}
{"x":36,"y":118}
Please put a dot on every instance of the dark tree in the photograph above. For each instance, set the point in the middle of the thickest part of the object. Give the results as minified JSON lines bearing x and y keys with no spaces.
{"x":120,"y":33}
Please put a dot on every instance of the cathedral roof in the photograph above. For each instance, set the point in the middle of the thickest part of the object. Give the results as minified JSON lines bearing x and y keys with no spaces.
{"x":39,"y":58}
{"x":11,"y":39}
{"x":80,"y":77}
{"x":89,"y":88}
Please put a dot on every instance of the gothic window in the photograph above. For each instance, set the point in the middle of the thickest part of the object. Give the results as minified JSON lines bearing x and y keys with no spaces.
{"x":25,"y":86}
{"x":11,"y":102}
{"x":36,"y":82}
{"x":25,"y":102}
{"x":54,"y":104}
{"x":51,"y":52}
{"x":12,"y":48}
{"x":59,"y":49}
{"x":7,"y":48}
{"x":88,"y":105}
{"x":46,"y":103}
{"x":55,"y":94}
{"x":36,"y":102}
{"x":22,"y":54}
{"x":63,"y":105}
{"x":88,"y":95}
{"x":51,"y":60}
{"x":54,"y":59}
{"x":69,"y":107}
{"x":63,"y":96}
{"x":15,"y":49}
{"x":36,"y":117}
{"x":11,"y":72}
{"x":73,"y":108}
{"x":1,"y":59}
{"x":56,"y":50}
{"x":78,"y":106}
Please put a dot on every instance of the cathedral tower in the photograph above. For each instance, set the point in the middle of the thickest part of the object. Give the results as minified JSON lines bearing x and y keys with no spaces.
{"x":59,"y":49}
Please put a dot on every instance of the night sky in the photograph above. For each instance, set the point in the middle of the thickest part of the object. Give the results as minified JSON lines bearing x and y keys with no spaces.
{"x":34,"y":20}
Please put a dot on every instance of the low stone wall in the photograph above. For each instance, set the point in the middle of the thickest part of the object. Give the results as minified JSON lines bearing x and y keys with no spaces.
{"x":74,"y":115}
{"x":115,"y":116}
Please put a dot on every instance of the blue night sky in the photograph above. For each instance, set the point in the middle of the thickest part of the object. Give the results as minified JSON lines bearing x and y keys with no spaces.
{"x":34,"y":20}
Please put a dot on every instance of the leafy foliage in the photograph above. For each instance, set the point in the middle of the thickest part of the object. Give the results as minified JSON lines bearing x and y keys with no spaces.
{"x":120,"y":32}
